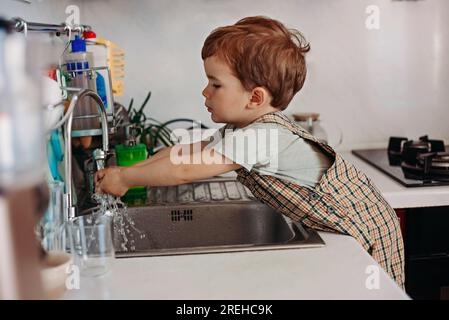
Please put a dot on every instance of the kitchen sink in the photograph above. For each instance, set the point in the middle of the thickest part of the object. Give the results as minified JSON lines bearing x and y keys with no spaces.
{"x":208,"y":228}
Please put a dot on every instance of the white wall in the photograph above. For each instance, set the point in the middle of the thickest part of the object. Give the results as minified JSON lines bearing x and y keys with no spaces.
{"x":371,"y":83}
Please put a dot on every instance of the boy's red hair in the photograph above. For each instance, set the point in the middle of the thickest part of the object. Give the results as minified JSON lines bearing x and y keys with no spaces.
{"x":262,"y":52}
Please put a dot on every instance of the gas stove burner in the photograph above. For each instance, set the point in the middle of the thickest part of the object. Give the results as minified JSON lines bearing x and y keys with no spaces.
{"x":402,"y":150}
{"x":416,"y":173}
{"x":439,"y":159}
{"x":429,"y":166}
{"x":424,"y":159}
{"x":434,"y":163}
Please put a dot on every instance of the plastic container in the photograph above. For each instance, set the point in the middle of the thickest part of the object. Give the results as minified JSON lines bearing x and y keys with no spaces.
{"x":100,"y":59}
{"x":92,"y":245}
{"x":53,"y":222}
{"x":127,"y":156}
{"x":101,"y":89}
{"x":79,"y":61}
{"x":99,"y":52}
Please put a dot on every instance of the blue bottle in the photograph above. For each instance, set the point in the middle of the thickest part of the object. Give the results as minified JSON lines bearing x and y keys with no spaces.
{"x":101,"y":89}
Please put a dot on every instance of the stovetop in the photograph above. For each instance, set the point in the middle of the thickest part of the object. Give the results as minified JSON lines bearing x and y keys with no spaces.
{"x":379,"y":159}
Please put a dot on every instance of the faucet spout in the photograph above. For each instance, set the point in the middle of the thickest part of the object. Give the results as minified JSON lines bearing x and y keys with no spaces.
{"x":101,"y":154}
{"x":100,"y":158}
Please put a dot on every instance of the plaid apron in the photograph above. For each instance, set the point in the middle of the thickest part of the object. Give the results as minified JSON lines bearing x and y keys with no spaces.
{"x":344,"y":201}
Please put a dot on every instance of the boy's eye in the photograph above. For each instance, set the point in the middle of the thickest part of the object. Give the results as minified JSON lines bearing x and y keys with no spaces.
{"x":216,"y":86}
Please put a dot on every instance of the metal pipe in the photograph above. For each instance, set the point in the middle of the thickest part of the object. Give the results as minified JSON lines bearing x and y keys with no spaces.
{"x":20,"y":25}
{"x":68,"y":143}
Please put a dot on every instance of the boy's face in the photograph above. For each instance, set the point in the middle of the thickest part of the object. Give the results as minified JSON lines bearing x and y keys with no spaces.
{"x":226,"y":98}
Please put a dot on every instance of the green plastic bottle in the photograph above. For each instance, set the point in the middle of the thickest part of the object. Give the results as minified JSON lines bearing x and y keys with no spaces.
{"x":128,"y":154}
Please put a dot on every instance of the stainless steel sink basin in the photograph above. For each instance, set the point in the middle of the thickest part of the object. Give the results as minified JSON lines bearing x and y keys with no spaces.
{"x":210,"y":227}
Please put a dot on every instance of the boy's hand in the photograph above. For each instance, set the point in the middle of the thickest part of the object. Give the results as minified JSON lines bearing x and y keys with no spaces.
{"x":111,"y":181}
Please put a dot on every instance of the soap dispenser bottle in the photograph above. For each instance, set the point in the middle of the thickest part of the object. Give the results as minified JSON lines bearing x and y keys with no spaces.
{"x":79,"y":63}
{"x":128,"y":154}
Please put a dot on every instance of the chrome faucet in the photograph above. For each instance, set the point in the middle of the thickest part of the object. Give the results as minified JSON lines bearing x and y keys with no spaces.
{"x":98,"y":154}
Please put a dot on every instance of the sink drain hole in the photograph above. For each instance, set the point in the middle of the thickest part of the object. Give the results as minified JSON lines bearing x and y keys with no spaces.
{"x":185,"y":215}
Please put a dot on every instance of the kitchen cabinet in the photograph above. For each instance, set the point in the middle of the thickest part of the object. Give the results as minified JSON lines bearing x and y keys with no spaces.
{"x":426,"y":239}
{"x":424,"y":217}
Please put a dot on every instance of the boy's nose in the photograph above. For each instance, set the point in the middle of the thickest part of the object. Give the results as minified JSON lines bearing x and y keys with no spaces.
{"x":205,"y":94}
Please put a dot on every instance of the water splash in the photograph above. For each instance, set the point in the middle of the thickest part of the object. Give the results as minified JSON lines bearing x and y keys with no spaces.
{"x":123,"y":224}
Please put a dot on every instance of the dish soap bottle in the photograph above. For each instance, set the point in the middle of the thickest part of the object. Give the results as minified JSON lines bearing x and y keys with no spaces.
{"x":79,"y":63}
{"x":128,"y":154}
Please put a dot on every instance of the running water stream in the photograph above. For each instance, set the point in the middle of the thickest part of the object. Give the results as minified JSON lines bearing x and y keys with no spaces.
{"x":123,"y":224}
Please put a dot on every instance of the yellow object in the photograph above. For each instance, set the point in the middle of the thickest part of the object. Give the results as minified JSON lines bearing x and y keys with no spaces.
{"x":116,"y":63}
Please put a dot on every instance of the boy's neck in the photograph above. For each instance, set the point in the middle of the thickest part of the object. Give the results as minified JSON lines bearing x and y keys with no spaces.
{"x":255,"y":116}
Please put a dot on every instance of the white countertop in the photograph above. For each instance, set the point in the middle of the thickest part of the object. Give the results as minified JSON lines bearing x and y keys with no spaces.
{"x":336,"y":271}
{"x":396,"y":194}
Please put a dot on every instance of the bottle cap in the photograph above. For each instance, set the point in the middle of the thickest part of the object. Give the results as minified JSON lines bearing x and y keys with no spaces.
{"x":89,"y":35}
{"x":78,"y":45}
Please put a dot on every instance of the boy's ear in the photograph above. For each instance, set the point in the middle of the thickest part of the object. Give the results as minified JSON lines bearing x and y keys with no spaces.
{"x":259,"y":97}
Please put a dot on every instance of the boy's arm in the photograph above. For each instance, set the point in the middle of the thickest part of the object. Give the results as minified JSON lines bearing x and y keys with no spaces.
{"x":166,"y":153}
{"x":163,"y":172}
{"x":160,"y":154}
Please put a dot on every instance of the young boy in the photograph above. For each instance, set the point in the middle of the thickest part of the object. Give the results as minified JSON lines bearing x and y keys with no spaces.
{"x":255,"y":67}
